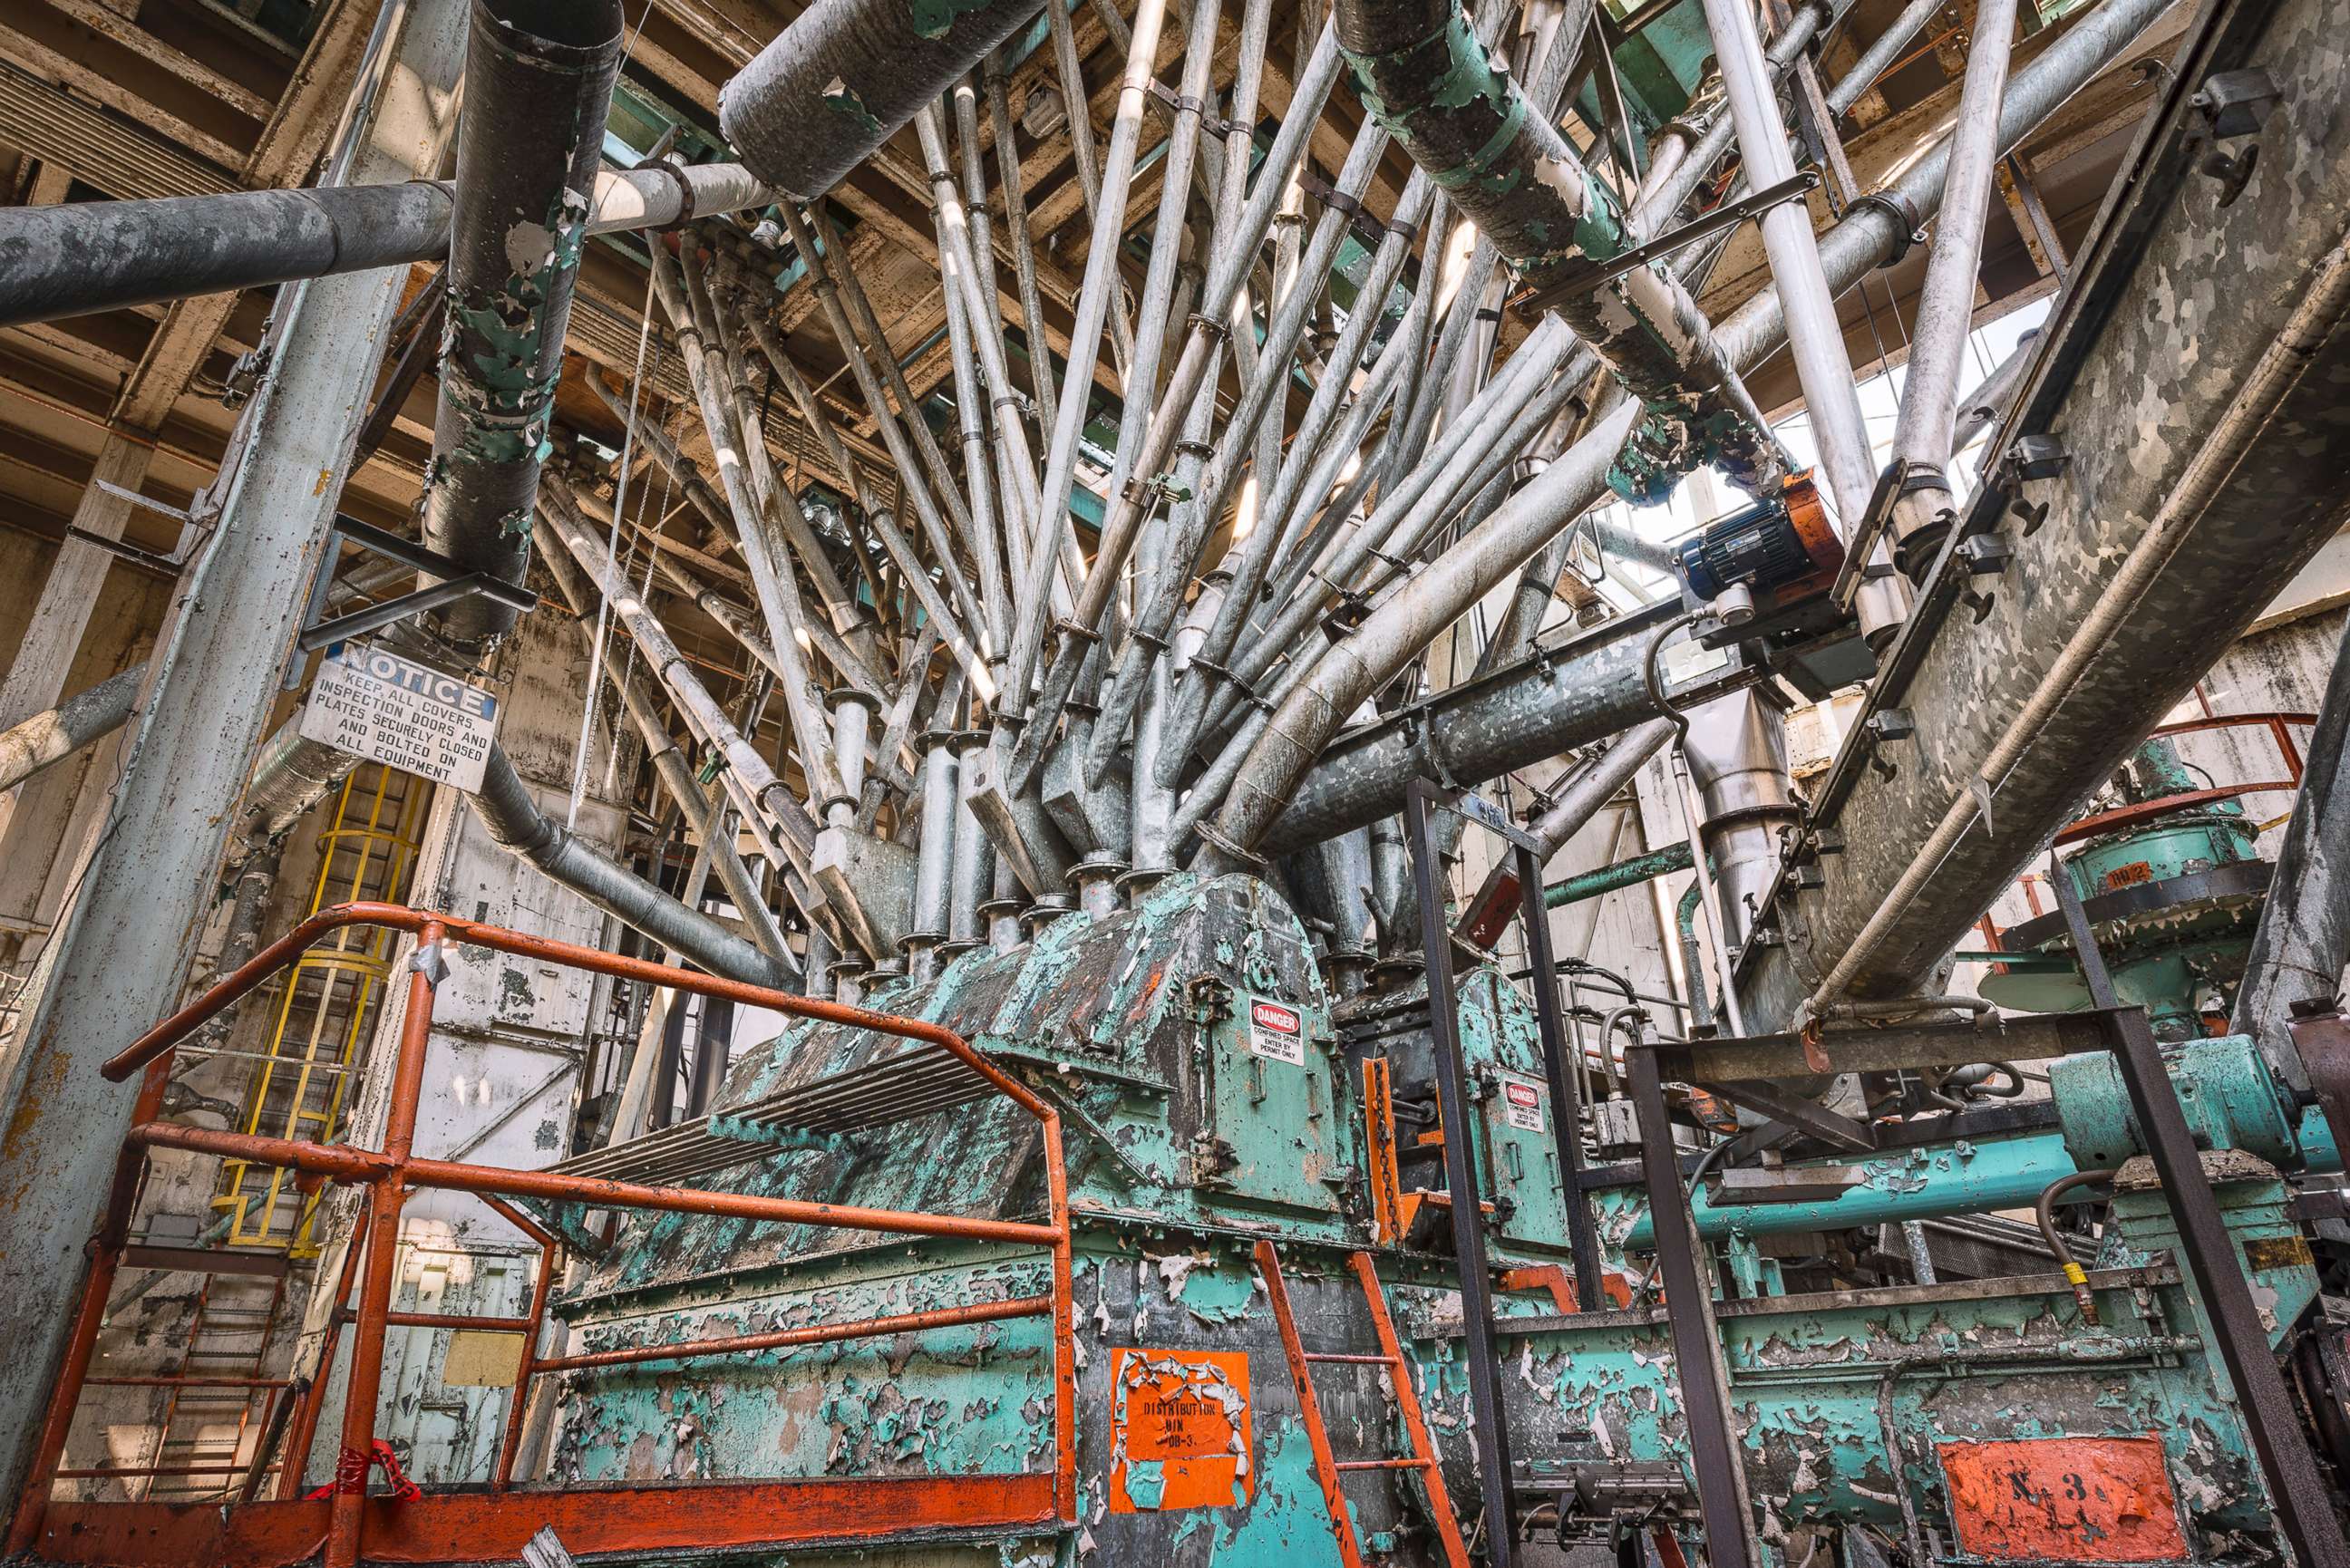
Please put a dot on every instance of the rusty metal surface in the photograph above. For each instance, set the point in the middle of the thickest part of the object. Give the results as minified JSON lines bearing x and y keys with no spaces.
{"x":2135,"y":417}
{"x":2063,"y":1499}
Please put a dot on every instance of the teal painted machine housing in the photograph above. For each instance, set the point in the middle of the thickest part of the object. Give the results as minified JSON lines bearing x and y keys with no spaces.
{"x":2230,"y":1099}
{"x":1516,"y":1155}
{"x":1136,"y":1026}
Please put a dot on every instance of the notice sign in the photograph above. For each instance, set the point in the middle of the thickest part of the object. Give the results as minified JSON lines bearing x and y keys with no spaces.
{"x":391,"y":710}
{"x":1522,"y":1104}
{"x":1277,"y":1032}
{"x":1179,"y":1430}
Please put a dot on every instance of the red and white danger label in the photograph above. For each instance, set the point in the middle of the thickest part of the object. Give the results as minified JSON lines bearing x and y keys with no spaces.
{"x":1522,"y":1104}
{"x":1277,"y":1032}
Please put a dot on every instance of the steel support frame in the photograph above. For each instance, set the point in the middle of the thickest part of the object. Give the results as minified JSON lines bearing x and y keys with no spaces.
{"x":2300,"y":1498}
{"x":1565,"y":1086}
{"x":1689,"y":1298}
{"x":391,"y":1175}
{"x":1489,"y":1418}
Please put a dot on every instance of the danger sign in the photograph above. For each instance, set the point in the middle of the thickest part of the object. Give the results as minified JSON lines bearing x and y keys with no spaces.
{"x":1179,"y":1430}
{"x":1521,"y":1105}
{"x":1277,"y":1032}
{"x":391,"y":710}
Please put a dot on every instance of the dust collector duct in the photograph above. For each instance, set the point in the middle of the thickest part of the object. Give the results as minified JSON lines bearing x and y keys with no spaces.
{"x":515,"y":821}
{"x":847,"y":76}
{"x":82,"y":257}
{"x":1422,"y":72}
{"x":539,"y":84}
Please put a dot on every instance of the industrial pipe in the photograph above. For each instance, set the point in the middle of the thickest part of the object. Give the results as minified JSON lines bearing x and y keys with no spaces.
{"x":1314,"y":708}
{"x":1585,"y":690}
{"x":514,"y":820}
{"x":538,"y":85}
{"x":1617,"y":876}
{"x":1592,"y":788}
{"x":74,"y":258}
{"x":1925,"y":431}
{"x":1814,"y":335}
{"x":847,"y":76}
{"x":1425,"y":75}
{"x":46,"y":739}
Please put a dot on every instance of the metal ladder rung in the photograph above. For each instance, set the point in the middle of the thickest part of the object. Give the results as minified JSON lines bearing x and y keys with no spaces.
{"x":1330,"y":1470}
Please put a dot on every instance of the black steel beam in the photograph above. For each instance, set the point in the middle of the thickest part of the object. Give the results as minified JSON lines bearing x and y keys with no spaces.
{"x":1689,"y":1297}
{"x":1490,"y":1420}
{"x":1565,"y":1079}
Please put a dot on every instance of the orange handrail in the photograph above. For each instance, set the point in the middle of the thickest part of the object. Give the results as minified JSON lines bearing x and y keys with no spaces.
{"x":389,"y":1173}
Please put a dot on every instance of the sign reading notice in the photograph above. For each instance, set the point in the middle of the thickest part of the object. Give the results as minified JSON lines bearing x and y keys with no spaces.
{"x":1277,"y":1032}
{"x":391,"y":710}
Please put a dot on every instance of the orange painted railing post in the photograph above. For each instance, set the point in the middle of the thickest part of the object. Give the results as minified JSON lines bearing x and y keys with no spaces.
{"x":386,"y":1194}
{"x":372,"y":1260}
{"x":304,"y":1433}
{"x":105,"y":1257}
{"x":525,"y":1365}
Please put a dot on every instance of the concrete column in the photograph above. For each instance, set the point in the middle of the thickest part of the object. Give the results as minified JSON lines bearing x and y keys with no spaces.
{"x":120,"y":956}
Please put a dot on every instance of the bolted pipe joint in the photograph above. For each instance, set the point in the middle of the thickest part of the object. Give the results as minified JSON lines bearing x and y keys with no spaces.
{"x":539,"y":77}
{"x":847,"y":76}
{"x":1454,"y":108}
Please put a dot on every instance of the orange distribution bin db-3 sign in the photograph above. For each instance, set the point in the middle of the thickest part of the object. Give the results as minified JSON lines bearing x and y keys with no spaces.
{"x":1179,"y":1427}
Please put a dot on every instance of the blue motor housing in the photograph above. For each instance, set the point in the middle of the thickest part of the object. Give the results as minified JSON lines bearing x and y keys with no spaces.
{"x":1757,"y":548}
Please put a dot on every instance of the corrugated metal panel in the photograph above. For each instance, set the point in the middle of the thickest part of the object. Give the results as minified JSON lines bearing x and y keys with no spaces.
{"x":118,"y":159}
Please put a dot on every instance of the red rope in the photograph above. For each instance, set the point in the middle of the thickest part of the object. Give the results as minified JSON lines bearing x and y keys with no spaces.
{"x":351,"y":1468}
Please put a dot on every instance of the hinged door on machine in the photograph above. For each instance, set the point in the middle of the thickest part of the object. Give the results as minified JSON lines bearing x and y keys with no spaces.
{"x":1500,"y":1045}
{"x":1272,"y":1128}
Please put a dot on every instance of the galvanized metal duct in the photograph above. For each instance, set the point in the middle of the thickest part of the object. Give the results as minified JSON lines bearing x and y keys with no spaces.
{"x":1316,"y":705}
{"x":1587,"y":690}
{"x":515,"y":821}
{"x":539,"y":84}
{"x":847,"y":76}
{"x":1464,"y":120}
{"x":2194,"y":492}
{"x":82,"y":257}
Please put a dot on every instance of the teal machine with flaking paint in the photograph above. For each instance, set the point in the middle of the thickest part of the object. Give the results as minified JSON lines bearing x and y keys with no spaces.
{"x":1215,"y":1094}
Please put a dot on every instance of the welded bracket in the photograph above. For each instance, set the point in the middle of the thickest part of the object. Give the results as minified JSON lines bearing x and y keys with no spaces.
{"x":1589,"y":276}
{"x":457,"y":582}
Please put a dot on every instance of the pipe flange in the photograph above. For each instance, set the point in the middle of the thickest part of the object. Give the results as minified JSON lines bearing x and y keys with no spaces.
{"x":1904,"y":213}
{"x":685,"y":213}
{"x":1231,"y":850}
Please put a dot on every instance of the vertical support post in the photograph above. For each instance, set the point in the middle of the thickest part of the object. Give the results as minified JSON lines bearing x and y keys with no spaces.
{"x":2303,"y":1501}
{"x":295,"y":1461}
{"x":526,"y":1365}
{"x":1688,"y":1302}
{"x":386,"y":1195}
{"x":1064,"y":1349}
{"x":120,"y":958}
{"x":1565,"y":1096}
{"x":105,"y":1258}
{"x":1490,"y":1427}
